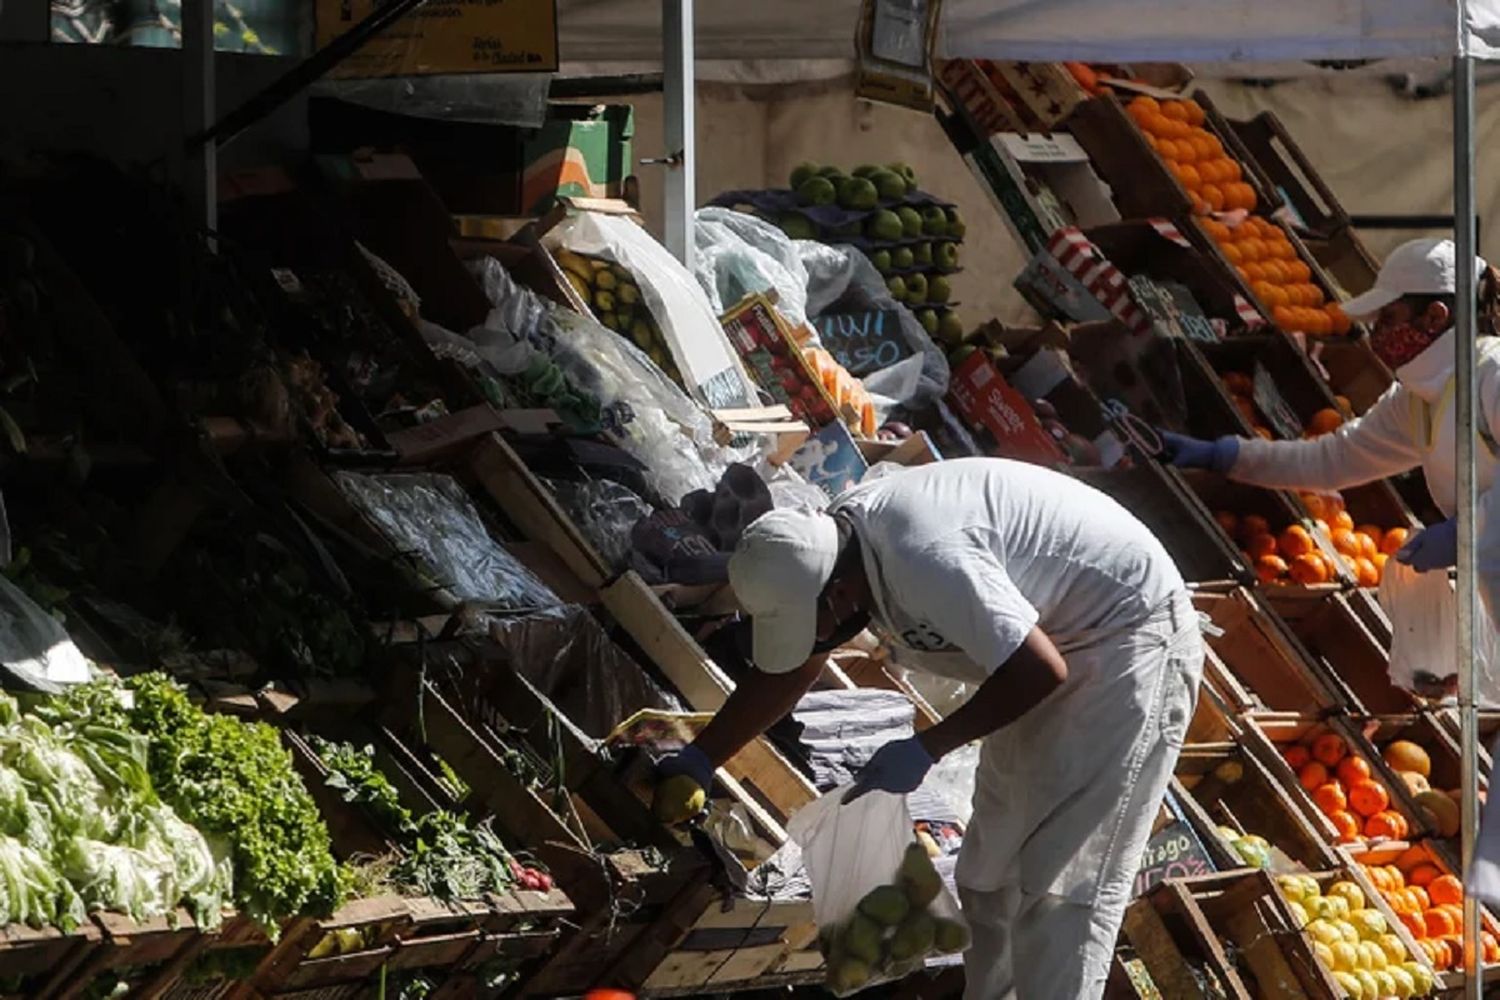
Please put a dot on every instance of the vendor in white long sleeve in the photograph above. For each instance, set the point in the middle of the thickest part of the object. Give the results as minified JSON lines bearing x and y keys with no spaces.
{"x":1076,"y":632}
{"x":1411,"y":425}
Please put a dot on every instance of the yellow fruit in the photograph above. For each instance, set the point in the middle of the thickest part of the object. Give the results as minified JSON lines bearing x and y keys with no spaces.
{"x":1322,"y":930}
{"x":1347,"y":931}
{"x":1345,"y":957}
{"x":1370,"y":924}
{"x":1373,"y":955}
{"x":1348,"y":891}
{"x":1406,"y":985}
{"x":1324,"y":954}
{"x":1395,"y":951}
{"x":1292,"y":889}
{"x":1368,"y":982}
{"x":677,"y":800}
{"x":1404,"y":755}
{"x":1386,"y":982}
{"x":1299,"y":915}
{"x":1352,"y":987}
{"x":1323,"y":908}
{"x":1420,"y":975}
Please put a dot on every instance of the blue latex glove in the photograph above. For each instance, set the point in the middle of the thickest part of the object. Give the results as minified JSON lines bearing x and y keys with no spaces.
{"x":1432,"y":548}
{"x":689,"y":761}
{"x":898,"y":767}
{"x":1194,"y":453}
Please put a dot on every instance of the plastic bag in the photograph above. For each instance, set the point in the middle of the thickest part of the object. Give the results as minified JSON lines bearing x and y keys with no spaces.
{"x":1422,"y":608}
{"x":35,"y":651}
{"x":712,"y":369}
{"x":842,"y":280}
{"x":880,"y":905}
{"x":432,"y":516}
{"x":739,"y":255}
{"x":605,"y":512}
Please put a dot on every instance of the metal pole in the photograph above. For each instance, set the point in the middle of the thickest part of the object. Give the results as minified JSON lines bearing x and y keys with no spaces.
{"x":1465,"y":333}
{"x":678,"y":130}
{"x":200,"y":168}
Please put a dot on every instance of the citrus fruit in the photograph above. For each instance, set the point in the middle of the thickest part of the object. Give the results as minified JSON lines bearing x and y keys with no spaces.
{"x":1295,"y":541}
{"x":1330,"y":798}
{"x":1269,"y":569}
{"x":1329,"y":748}
{"x":1404,"y":755}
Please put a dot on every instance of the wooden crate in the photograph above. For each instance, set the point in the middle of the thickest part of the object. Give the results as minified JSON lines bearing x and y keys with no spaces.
{"x":1268,"y":196}
{"x":1344,"y":258}
{"x":1352,"y":370}
{"x":1355,"y":873}
{"x":1346,"y":646}
{"x":1225,"y":785}
{"x":737,"y":945}
{"x":1489,"y":734}
{"x":1268,"y":667}
{"x":1142,"y":185}
{"x":45,"y":959}
{"x":1276,"y":154}
{"x":287,"y":968}
{"x":1268,"y":736}
{"x":1237,"y":924}
{"x":127,"y":945}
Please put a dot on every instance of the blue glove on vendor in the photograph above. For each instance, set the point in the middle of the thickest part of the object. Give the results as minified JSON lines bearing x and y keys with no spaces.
{"x":689,"y":761}
{"x":898,"y":767}
{"x":1194,"y":453}
{"x":1432,"y":548}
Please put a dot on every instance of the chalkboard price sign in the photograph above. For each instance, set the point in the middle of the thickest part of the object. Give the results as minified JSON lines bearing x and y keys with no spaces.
{"x":1173,"y":853}
{"x":863,"y":342}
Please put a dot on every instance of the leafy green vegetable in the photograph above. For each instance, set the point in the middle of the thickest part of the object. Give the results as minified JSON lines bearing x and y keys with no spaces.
{"x":232,"y":780}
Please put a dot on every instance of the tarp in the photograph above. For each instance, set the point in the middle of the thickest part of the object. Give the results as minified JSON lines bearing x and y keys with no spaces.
{"x":629,"y":31}
{"x":1217,"y":31}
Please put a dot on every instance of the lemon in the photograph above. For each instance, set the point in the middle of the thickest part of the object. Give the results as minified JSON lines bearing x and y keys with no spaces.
{"x":1324,"y":954}
{"x":1368,"y":981}
{"x":1325,"y":907}
{"x":1386,"y":982}
{"x":1346,"y":957}
{"x":678,"y":799}
{"x":1292,"y":889}
{"x":1347,"y":931}
{"x":1350,"y":892}
{"x":1299,"y":915}
{"x":1395,"y":951}
{"x":1353,"y":988}
{"x":1370,"y":924}
{"x":1374,"y":955}
{"x":1322,"y":930}
{"x":1406,"y":984}
{"x":1420,"y":975}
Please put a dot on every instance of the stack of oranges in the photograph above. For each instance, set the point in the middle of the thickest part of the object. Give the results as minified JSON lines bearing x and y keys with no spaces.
{"x":1343,"y":788}
{"x":1214,"y":181}
{"x":1291,"y":556}
{"x":1262,"y":254}
{"x":1364,"y":548}
{"x":1430,"y":902}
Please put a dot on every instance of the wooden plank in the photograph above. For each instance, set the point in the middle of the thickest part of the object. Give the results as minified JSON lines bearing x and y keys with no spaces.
{"x":1153,"y":944}
{"x":532,"y":508}
{"x":1263,"y":655}
{"x":643,"y":616}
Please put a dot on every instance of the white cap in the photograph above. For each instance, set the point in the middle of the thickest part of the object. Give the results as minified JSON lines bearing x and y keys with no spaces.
{"x":778,"y":571}
{"x":1417,"y":267}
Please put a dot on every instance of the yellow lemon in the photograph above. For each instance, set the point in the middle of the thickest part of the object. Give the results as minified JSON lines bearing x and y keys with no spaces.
{"x":1345,"y":957}
{"x":1353,"y":988}
{"x":1386,"y":982}
{"x":1395,"y":951}
{"x":1322,"y":930}
{"x":1406,"y":985}
{"x":1374,"y":955}
{"x":1299,"y":915}
{"x":1348,"y":892}
{"x":1326,"y":907}
{"x":1370,"y":924}
{"x":1347,"y":931}
{"x":1292,"y":889}
{"x":1421,"y":975}
{"x":1324,"y":954}
{"x":1368,"y":981}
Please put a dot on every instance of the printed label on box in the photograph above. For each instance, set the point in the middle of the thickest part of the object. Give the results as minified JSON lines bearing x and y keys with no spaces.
{"x":831,"y":460}
{"x":981,"y":394}
{"x":1048,"y":285}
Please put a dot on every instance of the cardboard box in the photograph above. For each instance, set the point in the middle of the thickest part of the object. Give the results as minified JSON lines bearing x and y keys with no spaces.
{"x":1047,"y":91}
{"x":1052,"y":290}
{"x":1055,"y":181}
{"x":774,"y":360}
{"x":970,"y":91}
{"x":484,"y":169}
{"x":1164,"y":252}
{"x":831,"y":460}
{"x":980,"y":394}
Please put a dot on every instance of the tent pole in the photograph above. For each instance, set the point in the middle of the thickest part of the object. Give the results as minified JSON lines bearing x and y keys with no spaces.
{"x":1465,"y":329}
{"x":200,"y":164}
{"x":678,"y":130}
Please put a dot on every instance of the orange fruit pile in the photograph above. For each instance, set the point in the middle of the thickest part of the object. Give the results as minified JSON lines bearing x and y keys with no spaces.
{"x":1429,"y":901}
{"x":1290,"y":556}
{"x":1263,"y":255}
{"x":1195,"y":156}
{"x":1344,"y":789}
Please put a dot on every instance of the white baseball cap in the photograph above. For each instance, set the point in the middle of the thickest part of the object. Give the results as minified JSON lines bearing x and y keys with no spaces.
{"x":1417,"y":267}
{"x":778,"y":572}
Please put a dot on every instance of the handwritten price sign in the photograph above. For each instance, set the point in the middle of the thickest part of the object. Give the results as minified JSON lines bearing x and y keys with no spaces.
{"x":1173,"y":853}
{"x":863,"y":342}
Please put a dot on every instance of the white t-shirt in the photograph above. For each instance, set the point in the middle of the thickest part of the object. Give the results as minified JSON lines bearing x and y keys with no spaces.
{"x":965,"y":557}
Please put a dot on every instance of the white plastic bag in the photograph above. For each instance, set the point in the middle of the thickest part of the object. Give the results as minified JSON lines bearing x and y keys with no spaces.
{"x":1424,"y":633}
{"x":880,"y":905}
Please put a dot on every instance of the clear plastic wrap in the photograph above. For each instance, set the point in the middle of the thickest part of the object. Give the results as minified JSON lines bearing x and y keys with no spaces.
{"x":431,"y":516}
{"x":708,"y":362}
{"x":565,"y":654}
{"x":34,"y":649}
{"x":880,"y":905}
{"x":518,"y":99}
{"x":739,"y":255}
{"x":1423,"y":608}
{"x":605,"y":512}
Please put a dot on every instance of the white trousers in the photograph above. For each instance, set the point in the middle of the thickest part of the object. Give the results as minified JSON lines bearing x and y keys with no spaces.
{"x":1064,"y":803}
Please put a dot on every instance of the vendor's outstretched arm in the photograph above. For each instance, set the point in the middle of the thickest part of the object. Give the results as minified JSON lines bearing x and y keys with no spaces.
{"x":755,"y":705}
{"x":1032,"y":673}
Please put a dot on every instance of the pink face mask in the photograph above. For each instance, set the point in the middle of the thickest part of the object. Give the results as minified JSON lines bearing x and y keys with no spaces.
{"x":1399,"y":343}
